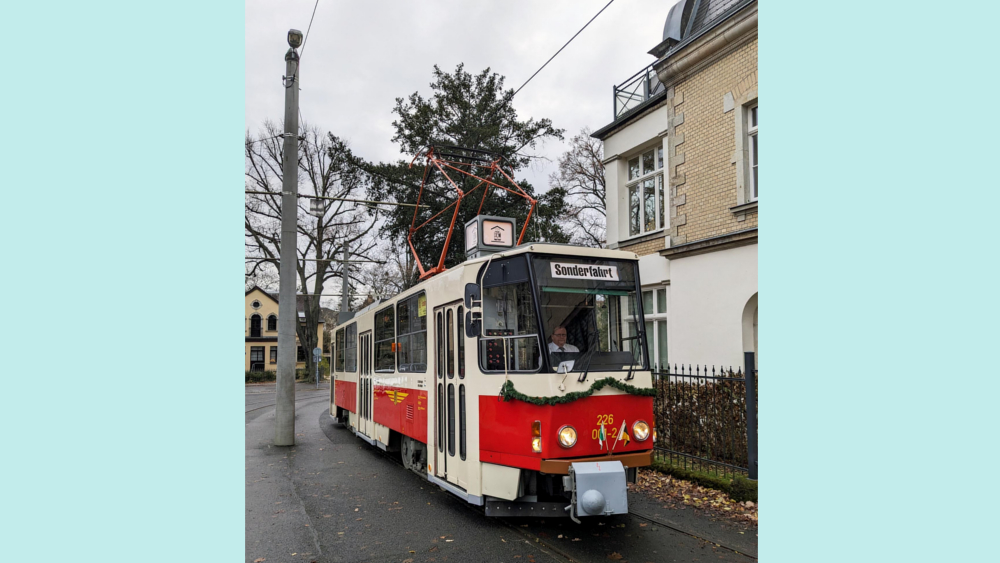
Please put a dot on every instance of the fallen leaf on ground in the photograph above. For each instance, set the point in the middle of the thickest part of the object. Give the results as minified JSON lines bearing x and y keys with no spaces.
{"x":259,"y":560}
{"x":615,"y":556}
{"x":681,"y":494}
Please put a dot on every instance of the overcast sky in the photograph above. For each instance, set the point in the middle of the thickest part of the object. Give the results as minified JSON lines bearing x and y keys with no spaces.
{"x":360,"y":56}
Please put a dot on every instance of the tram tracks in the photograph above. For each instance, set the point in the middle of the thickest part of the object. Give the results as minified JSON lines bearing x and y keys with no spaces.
{"x":660,"y":523}
{"x":298,"y":397}
{"x":550,"y":546}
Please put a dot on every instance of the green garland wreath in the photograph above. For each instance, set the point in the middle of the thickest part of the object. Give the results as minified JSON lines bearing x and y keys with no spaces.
{"x":508,"y":393}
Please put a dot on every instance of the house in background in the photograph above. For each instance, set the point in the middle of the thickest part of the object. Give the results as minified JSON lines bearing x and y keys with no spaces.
{"x":261,"y":327}
{"x":682,"y":184}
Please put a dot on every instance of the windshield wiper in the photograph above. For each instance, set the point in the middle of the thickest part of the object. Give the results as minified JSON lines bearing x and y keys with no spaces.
{"x":639,"y":338}
{"x":590,"y":355}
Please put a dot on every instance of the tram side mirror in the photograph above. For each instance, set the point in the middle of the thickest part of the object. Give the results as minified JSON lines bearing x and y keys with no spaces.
{"x":473,"y":296}
{"x":473,"y":324}
{"x":474,"y":308}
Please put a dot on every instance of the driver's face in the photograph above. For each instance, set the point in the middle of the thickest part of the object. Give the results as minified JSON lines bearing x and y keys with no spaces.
{"x":559,"y":337}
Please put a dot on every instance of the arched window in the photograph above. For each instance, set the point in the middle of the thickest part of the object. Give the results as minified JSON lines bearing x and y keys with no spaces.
{"x":750,"y":328}
{"x":255,"y":326}
{"x":272,"y":322}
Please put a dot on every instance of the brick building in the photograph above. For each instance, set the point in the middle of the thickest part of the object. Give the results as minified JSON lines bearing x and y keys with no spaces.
{"x":682,"y":188}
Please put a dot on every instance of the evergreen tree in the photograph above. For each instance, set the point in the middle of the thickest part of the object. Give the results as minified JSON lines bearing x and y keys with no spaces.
{"x":472,"y":112}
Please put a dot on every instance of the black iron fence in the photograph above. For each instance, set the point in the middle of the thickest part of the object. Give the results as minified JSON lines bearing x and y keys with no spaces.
{"x":706,"y":418}
{"x":640,"y":87}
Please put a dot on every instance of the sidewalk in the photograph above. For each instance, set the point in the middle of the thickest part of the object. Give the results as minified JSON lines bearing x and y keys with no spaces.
{"x":740,"y":538}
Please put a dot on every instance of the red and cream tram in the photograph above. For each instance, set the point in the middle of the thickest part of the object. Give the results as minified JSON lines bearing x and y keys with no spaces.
{"x":518,"y":380}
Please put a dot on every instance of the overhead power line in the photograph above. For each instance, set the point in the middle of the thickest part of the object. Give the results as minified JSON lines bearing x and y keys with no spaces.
{"x":563,"y":47}
{"x":306,"y":38}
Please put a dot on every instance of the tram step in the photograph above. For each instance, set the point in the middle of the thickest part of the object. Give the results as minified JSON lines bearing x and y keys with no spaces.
{"x":532,"y":509}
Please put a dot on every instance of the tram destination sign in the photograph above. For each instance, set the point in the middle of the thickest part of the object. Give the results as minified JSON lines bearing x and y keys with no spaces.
{"x":584,"y":271}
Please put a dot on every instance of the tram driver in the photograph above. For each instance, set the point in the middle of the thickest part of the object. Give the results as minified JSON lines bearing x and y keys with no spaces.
{"x":558,"y":343}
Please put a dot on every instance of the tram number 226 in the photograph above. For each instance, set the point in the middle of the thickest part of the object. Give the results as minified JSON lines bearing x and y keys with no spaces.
{"x":609,"y":429}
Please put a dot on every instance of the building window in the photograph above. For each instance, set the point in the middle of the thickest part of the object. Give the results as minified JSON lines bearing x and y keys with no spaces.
{"x":645,"y":192}
{"x":301,"y":354}
{"x":411,"y":326}
{"x":255,"y":304}
{"x":752,"y":137}
{"x":654,"y":310}
{"x":255,"y":326}
{"x":385,"y":345}
{"x":274,"y":354}
{"x":272,"y":323}
{"x":256,"y":358}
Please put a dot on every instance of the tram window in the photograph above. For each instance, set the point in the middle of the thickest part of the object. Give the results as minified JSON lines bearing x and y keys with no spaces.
{"x":411,"y":326}
{"x":589,"y":305}
{"x":338,"y":362}
{"x":461,"y":346}
{"x":510,"y":330}
{"x":450,"y":349}
{"x":385,"y":359}
{"x":438,"y":331}
{"x":461,"y":420}
{"x":440,"y":412}
{"x":351,"y":348}
{"x":451,"y":419}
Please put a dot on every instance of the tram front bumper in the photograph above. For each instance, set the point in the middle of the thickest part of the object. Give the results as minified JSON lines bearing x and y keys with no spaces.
{"x":598,"y":489}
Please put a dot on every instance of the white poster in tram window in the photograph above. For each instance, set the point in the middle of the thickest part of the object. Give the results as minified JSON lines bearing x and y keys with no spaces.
{"x":496,"y":233}
{"x":584,"y":271}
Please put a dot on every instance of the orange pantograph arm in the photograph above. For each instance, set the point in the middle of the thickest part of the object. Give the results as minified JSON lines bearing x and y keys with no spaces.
{"x":442,"y":164}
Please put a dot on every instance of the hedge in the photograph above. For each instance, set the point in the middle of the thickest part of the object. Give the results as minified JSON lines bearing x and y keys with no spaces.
{"x":739,"y":488}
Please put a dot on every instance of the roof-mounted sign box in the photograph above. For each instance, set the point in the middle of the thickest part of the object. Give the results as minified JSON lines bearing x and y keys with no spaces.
{"x":485,"y":235}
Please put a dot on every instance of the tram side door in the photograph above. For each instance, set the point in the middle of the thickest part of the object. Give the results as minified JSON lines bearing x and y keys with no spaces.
{"x":365,"y":386}
{"x":449,"y":389}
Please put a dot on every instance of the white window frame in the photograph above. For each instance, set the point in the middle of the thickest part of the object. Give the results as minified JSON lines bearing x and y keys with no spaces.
{"x":656,"y":174}
{"x":653,"y":317}
{"x":752,"y":145}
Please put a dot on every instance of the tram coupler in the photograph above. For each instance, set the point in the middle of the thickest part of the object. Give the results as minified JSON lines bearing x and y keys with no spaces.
{"x":598,"y":489}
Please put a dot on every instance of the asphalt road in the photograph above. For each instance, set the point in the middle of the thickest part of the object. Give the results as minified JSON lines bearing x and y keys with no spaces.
{"x":334,"y":498}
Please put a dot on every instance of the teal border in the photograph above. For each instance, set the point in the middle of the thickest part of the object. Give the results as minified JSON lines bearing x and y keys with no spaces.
{"x":878,"y":267}
{"x":121,"y":214}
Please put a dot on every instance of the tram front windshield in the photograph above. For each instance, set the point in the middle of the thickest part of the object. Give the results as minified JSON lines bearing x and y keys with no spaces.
{"x":590,"y":317}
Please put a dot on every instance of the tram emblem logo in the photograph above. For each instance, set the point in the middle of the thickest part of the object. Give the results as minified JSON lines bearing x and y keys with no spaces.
{"x":396,"y":396}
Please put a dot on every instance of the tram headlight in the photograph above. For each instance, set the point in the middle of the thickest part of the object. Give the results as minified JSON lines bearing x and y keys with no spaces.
{"x":640,"y":430}
{"x":536,"y":437}
{"x":567,"y":436}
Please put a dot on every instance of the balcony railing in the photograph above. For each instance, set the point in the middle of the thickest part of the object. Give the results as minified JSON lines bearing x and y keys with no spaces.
{"x":636,"y":90}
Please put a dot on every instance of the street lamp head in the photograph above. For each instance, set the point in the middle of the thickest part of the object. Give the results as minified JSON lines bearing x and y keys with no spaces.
{"x":316,"y":207}
{"x":294,"y":38}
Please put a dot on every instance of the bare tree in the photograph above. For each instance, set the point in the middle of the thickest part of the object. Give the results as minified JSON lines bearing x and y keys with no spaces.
{"x":325,"y":170}
{"x":263,"y":276}
{"x":395,"y":273}
{"x":581,"y":175}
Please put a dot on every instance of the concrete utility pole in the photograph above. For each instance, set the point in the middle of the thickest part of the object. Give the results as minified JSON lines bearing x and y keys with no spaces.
{"x":344,"y":298}
{"x":284,"y":422}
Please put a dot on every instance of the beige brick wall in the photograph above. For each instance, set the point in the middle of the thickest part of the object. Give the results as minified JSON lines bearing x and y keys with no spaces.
{"x":704,"y":185}
{"x":647,"y":247}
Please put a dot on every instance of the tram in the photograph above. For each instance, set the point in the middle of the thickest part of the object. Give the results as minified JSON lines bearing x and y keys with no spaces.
{"x":518,"y":380}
